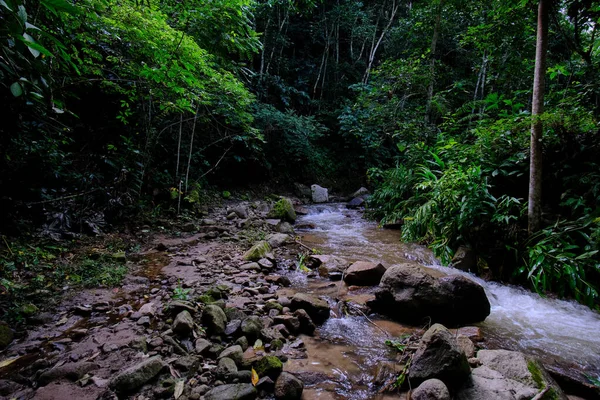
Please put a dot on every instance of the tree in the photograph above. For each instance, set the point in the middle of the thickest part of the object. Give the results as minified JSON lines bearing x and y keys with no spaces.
{"x":534,"y":210}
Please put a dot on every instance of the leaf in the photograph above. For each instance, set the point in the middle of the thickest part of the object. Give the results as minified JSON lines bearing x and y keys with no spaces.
{"x":254,"y":377}
{"x":16,"y":89}
{"x":178,"y":389}
{"x":258,"y":344}
{"x":34,"y":48}
{"x":60,"y":5}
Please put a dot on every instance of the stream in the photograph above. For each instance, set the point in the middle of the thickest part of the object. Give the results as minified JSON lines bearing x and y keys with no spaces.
{"x":345,"y":356}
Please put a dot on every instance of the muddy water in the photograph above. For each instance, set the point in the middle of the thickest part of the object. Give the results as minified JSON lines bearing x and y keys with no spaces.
{"x":563,"y":334}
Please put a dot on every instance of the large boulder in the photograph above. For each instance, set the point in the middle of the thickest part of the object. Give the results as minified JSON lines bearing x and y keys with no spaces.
{"x":431,"y":389}
{"x":284,"y":210}
{"x":439,"y":357}
{"x":412,"y":293}
{"x":137,"y":375}
{"x":364,"y":273}
{"x":316,"y":308}
{"x":508,"y":375}
{"x":258,"y":251}
{"x":319,"y":194}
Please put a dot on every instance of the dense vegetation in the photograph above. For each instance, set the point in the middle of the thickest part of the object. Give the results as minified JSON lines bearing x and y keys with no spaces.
{"x":112,"y":107}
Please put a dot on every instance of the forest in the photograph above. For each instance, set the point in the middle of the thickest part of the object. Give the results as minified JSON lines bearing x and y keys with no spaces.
{"x":114,"y":108}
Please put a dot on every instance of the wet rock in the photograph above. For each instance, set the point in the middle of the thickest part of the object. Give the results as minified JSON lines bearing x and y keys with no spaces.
{"x":464,"y":259}
{"x":411,"y":292}
{"x":276,"y":240}
{"x":291,"y":322}
{"x":508,"y":375}
{"x":258,"y":251}
{"x":6,"y":335}
{"x":355,"y":203}
{"x":235,"y":313}
{"x":234,"y":352}
{"x":265,"y":264}
{"x":439,"y":356}
{"x":431,"y":389}
{"x":183,"y":324}
{"x":72,"y":371}
{"x":7,"y":387}
{"x":387,"y":373}
{"x":288,"y":387}
{"x":328,"y":266}
{"x":284,"y":210}
{"x":136,"y":375}
{"x":307,"y":325}
{"x":270,"y":366}
{"x":214,"y":319}
{"x":317,"y":309}
{"x":319,"y":194}
{"x":265,"y":383}
{"x":84,"y":311}
{"x":466,"y":345}
{"x":285,"y":227}
{"x":363,"y":273}
{"x":238,"y":391}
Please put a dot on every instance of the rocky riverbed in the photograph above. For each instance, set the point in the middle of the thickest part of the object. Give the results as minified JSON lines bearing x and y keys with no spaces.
{"x":216,"y":314}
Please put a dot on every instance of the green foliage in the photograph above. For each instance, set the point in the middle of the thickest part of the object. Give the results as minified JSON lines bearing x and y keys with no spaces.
{"x":180,"y":293}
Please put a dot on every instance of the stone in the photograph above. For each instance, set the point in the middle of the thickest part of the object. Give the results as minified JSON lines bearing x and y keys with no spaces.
{"x":6,"y":335}
{"x":237,"y":391}
{"x":226,"y":366}
{"x":317,"y":309}
{"x":410,"y":292}
{"x":28,"y":309}
{"x":355,"y":203}
{"x":439,"y":356}
{"x":467,"y":346}
{"x":183,"y":324}
{"x":148,"y":309}
{"x":285,"y":227}
{"x":214,"y":319}
{"x":283,"y":210}
{"x":291,"y":322}
{"x":233,"y":352}
{"x":328,"y":266}
{"x":234,"y":313}
{"x":509,"y":375}
{"x":431,"y":389}
{"x":202,"y":345}
{"x":364,"y":273}
{"x":258,"y":251}
{"x":363,"y":191}
{"x":280,"y":280}
{"x":307,"y":325}
{"x":251,"y":328}
{"x":241,"y":212}
{"x":72,"y":371}
{"x":276,"y":240}
{"x":253,"y":266}
{"x":137,"y":375}
{"x":319,"y":194}
{"x":288,"y":387}
{"x":270,"y":366}
{"x":301,"y":190}
{"x":232,"y":327}
{"x":464,"y":259}
{"x":175,"y":307}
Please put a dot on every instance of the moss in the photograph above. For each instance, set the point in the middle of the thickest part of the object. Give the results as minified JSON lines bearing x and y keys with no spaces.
{"x":272,"y":305}
{"x":258,"y":251}
{"x":284,"y":209}
{"x":206,"y":299}
{"x":29,"y":309}
{"x":540,"y":381}
{"x":270,"y":366}
{"x":276,"y":344}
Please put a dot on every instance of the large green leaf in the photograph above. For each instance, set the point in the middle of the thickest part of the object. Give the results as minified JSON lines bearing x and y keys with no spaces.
{"x":60,"y":5}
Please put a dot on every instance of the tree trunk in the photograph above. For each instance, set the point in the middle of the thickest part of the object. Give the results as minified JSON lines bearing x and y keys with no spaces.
{"x":434,"y":39}
{"x":534,"y":209}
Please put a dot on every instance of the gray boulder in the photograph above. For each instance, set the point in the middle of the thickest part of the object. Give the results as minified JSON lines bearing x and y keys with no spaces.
{"x":412,"y":293}
{"x":276,"y":240}
{"x":284,"y":227}
{"x":317,"y":309}
{"x":439,"y":356}
{"x":431,"y":389}
{"x":183,"y":324}
{"x":319,"y":194}
{"x":288,"y":387}
{"x":508,"y":375}
{"x":238,"y":391}
{"x":355,"y":203}
{"x":364,"y":273}
{"x":214,"y":319}
{"x":258,"y":251}
{"x":137,"y":375}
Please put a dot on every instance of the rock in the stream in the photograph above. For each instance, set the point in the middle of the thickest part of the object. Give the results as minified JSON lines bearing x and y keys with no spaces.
{"x":362,"y":192}
{"x":319,"y":194}
{"x":284,"y":210}
{"x":508,"y":375}
{"x":411,"y":292}
{"x":238,"y":391}
{"x":258,"y":251}
{"x":431,"y":389}
{"x":329,"y":266}
{"x":72,"y":371}
{"x":317,"y":309}
{"x":439,"y":356}
{"x":137,"y":375}
{"x":355,"y":203}
{"x":183,"y":324}
{"x":364,"y":273}
{"x":214,"y":319}
{"x":285,"y":227}
{"x":288,"y":387}
{"x":464,"y":259}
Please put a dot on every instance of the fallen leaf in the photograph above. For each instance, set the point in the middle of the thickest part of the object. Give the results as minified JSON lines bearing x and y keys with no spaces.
{"x":254,"y":377}
{"x":178,"y":388}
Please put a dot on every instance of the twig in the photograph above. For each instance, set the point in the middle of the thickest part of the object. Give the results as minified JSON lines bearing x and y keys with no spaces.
{"x":369,"y":320}
{"x":217,"y":164}
{"x":8,"y":246}
{"x":541,"y":394}
{"x":302,"y":244}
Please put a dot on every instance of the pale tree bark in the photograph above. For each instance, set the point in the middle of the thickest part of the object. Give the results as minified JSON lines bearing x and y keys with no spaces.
{"x":534,"y":208}
{"x":434,"y":40}
{"x":375,"y":45}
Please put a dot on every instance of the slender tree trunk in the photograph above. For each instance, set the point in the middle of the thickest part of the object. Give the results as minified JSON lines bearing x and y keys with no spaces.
{"x":434,"y":40}
{"x":534,"y":209}
{"x":375,"y":45}
{"x":187,"y":172}
{"x":179,"y":148}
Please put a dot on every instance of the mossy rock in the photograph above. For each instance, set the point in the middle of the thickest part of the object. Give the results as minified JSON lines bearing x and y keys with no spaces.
{"x":272,"y":305}
{"x":205,"y":299}
{"x":284,"y":210}
{"x":258,"y":251}
{"x":276,"y":344}
{"x":29,"y":309}
{"x":270,"y":366}
{"x":6,"y":336}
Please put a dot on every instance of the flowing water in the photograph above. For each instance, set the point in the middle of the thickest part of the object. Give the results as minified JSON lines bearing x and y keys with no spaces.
{"x":346,"y":355}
